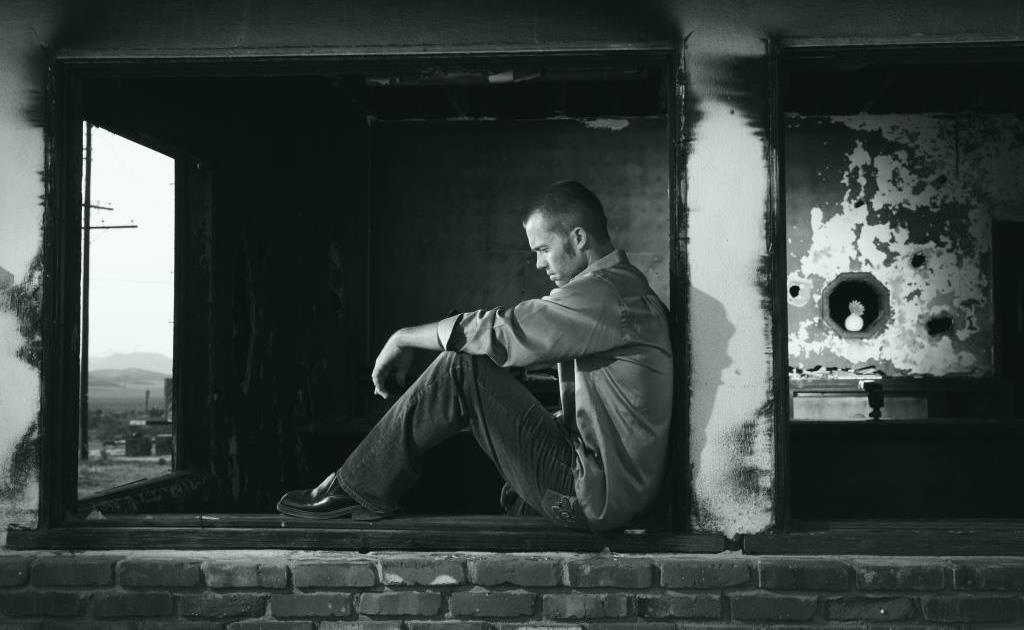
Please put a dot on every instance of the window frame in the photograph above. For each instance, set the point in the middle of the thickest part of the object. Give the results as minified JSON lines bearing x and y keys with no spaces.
{"x":58,"y":503}
{"x":966,"y":536}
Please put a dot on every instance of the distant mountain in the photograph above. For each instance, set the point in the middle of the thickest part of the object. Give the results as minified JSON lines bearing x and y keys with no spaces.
{"x":149,"y":361}
{"x":125,"y":378}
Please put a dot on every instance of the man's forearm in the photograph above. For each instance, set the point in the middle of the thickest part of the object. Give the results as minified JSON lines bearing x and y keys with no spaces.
{"x":423,"y":337}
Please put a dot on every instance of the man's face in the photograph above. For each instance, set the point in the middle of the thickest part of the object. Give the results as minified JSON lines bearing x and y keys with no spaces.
{"x":557,"y":255}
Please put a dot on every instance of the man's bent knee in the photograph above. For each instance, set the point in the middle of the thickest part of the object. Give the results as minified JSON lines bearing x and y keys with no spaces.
{"x":449,"y":358}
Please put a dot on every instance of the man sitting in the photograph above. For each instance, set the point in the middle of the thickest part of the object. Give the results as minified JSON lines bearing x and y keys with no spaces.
{"x":597,"y":465}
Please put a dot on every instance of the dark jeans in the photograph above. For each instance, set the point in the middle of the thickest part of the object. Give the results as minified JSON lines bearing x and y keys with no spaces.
{"x":530,"y":448}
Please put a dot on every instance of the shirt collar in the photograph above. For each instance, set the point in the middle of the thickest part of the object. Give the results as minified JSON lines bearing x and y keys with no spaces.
{"x":616,"y":257}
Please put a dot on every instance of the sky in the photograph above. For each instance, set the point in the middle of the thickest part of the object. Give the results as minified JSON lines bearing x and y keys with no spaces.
{"x":132,"y":270}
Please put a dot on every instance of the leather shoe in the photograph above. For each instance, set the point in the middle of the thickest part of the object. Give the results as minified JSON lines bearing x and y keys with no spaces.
{"x":325,"y":501}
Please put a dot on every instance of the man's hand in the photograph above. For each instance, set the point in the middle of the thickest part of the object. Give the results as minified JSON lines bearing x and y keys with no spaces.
{"x":393,"y":359}
{"x":396,"y":355}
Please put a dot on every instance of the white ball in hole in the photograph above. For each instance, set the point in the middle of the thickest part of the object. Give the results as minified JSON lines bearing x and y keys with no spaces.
{"x":854,"y":323}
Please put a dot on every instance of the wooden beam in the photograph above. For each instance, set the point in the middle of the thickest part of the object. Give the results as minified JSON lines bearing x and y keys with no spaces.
{"x":462,"y":533}
{"x":899,"y":539}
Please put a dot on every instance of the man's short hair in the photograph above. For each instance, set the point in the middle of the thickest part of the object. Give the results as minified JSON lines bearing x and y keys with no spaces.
{"x":568,"y":204}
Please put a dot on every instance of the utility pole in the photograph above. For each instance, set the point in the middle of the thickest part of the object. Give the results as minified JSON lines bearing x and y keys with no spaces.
{"x":87,"y":228}
{"x":83,"y":388}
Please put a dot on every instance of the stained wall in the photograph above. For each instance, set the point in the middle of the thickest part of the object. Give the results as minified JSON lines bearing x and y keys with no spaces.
{"x":909,"y":199}
{"x":725,"y":177}
{"x":446,"y":231}
{"x":22,"y":65}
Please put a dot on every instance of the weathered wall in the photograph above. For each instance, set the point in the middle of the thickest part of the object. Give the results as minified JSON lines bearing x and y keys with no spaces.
{"x":731,"y":435}
{"x":447,"y":197}
{"x":909,"y":199}
{"x":725,"y":178}
{"x":22,"y":65}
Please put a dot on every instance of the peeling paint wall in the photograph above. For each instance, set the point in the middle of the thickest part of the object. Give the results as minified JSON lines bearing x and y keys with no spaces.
{"x":909,"y":199}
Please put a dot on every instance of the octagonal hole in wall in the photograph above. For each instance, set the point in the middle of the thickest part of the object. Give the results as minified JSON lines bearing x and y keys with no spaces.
{"x":860,"y":294}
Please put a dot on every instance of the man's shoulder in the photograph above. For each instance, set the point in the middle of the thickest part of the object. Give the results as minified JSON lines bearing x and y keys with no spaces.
{"x":594,"y":284}
{"x":624,"y":278}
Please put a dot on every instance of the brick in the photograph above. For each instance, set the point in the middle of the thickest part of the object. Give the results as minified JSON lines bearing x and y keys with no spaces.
{"x":639,"y":625}
{"x":507,"y":604}
{"x":49,"y":603}
{"x":585,"y":605}
{"x":681,"y":606}
{"x":13,"y":571}
{"x":900,"y":576}
{"x":159,"y":572}
{"x":803,"y":575}
{"x":703,"y":573}
{"x":360,"y":625}
{"x":245,"y":575}
{"x":420,"y":571}
{"x":180,"y":625}
{"x":610,"y":572}
{"x":967,"y":608}
{"x":870,"y":608}
{"x":346,"y":574}
{"x":400,"y":603}
{"x":73,"y":571}
{"x":318,"y":605}
{"x":515,"y":571}
{"x":270,"y":625}
{"x":223,"y":606}
{"x":115,"y":604}
{"x":768,"y":607}
{"x":1002,"y":576}
{"x":541,"y":625}
{"x":78,"y":624}
{"x":446,"y":625}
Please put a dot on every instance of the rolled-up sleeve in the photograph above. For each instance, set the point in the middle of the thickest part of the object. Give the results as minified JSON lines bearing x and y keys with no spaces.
{"x":445,"y":328}
{"x":579,"y":319}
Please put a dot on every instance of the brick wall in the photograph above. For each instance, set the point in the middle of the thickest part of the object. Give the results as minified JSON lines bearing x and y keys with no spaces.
{"x":276,"y":589}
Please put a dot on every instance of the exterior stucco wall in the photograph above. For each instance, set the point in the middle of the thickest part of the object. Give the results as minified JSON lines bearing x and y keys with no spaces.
{"x":22,"y":71}
{"x":726,"y":181}
{"x":731,"y":432}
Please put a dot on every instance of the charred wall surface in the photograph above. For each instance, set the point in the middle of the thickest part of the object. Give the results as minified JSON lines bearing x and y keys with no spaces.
{"x":909,"y":199}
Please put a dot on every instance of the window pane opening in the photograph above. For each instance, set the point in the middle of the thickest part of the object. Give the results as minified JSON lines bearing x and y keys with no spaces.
{"x":126,"y":429}
{"x":903,"y":212}
{"x":366,"y":203}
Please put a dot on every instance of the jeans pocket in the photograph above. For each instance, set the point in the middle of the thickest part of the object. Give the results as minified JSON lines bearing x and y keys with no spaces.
{"x":563,"y":510}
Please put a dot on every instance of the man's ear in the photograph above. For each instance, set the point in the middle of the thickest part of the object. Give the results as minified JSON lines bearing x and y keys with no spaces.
{"x":579,"y":237}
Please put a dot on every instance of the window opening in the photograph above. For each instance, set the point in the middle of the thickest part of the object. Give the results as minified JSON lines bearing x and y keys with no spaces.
{"x":900,"y":287}
{"x":127,"y":313}
{"x":289,"y":281}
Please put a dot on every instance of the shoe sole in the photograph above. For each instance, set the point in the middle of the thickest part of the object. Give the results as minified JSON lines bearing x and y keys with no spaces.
{"x":356,"y":512}
{"x":288,"y":510}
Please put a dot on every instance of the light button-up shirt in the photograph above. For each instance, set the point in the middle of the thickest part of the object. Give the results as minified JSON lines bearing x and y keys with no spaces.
{"x":608,"y":332}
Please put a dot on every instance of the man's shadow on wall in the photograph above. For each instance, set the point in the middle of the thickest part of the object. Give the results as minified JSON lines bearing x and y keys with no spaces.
{"x":710,"y":332}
